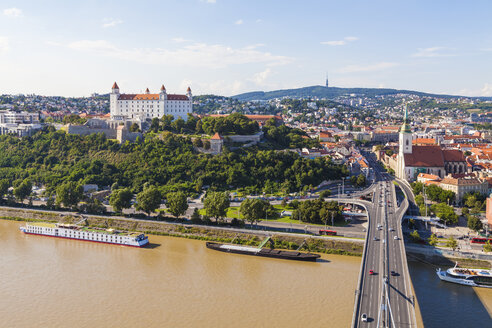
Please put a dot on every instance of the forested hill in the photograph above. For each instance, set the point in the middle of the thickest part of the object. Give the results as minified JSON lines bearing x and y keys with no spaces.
{"x":327,"y":93}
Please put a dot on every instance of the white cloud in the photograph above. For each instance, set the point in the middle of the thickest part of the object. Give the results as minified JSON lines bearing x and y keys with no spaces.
{"x":12,"y":12}
{"x":180,"y":40}
{"x":343,"y":42}
{"x":4,"y":44}
{"x":261,"y":77}
{"x":239,"y":22}
{"x":367,"y":68}
{"x":259,"y":20}
{"x":208,"y":1}
{"x":110,"y":22}
{"x":431,"y":52}
{"x":486,"y":91}
{"x":196,"y":54}
{"x":351,"y":38}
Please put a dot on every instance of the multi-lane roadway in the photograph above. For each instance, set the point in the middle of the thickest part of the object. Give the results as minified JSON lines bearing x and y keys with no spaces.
{"x":385,"y":295}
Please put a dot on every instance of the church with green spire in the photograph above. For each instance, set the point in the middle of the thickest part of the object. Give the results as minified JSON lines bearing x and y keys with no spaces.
{"x":413,"y":160}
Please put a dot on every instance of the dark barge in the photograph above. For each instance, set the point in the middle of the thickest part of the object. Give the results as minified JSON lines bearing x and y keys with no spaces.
{"x":264,"y":252}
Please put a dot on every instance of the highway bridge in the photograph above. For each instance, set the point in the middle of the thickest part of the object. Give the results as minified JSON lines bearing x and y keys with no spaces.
{"x":384,"y":296}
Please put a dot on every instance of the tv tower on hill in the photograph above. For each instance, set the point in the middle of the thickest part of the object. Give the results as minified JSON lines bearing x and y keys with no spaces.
{"x":326,"y":83}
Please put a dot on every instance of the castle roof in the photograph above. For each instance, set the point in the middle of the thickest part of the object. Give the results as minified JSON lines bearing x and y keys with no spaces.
{"x":115,"y":86}
{"x":216,"y":136}
{"x":151,"y":96}
{"x":162,"y":88}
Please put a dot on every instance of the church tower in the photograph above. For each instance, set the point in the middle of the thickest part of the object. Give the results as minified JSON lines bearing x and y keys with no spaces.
{"x":405,"y":146}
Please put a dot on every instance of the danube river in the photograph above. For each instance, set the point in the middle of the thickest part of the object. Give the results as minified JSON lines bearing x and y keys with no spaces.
{"x":51,"y":282}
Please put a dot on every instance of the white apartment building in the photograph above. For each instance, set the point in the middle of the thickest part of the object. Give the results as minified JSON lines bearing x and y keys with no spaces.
{"x":147,"y":105}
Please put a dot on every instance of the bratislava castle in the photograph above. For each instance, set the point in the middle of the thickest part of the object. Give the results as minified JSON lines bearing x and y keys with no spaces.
{"x":149,"y":105}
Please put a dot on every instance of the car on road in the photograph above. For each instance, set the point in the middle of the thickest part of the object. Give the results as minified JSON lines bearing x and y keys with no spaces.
{"x":393,"y":273}
{"x":371,"y":272}
{"x":396,"y":238}
{"x":391,"y":229}
{"x":363,"y":317}
{"x":375,"y":238}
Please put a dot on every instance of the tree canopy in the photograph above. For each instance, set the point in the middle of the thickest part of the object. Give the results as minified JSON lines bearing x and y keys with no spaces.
{"x":52,"y":158}
{"x":177,"y":203}
{"x":216,"y":204}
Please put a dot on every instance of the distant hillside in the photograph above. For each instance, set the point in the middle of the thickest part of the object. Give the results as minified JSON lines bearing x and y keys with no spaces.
{"x":328,"y":93}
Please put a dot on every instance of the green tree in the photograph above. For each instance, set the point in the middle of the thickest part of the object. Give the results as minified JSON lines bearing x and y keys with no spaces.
{"x":154,"y":125}
{"x":445,"y":213}
{"x":216,"y":204}
{"x":415,"y":236}
{"x":196,"y":217}
{"x":69,"y":194}
{"x":120,"y":199}
{"x":197,"y":142}
{"x":361,"y":180}
{"x":452,"y":243}
{"x":4,"y":187}
{"x":417,"y":187}
{"x":254,"y":210}
{"x":325,"y":193}
{"x":433,"y":240}
{"x":487,"y":247}
{"x":23,"y":190}
{"x":134,"y":128}
{"x":148,"y":200}
{"x":177,"y":203}
{"x":474,"y":223}
{"x":93,"y":206}
{"x":470,"y":201}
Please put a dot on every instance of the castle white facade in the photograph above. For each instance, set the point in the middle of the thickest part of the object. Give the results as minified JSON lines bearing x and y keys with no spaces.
{"x":147,"y":105}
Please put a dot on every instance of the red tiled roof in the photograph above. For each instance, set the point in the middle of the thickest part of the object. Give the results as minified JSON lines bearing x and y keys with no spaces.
{"x":424,"y":141}
{"x":216,"y":136}
{"x":177,"y":97}
{"x":425,"y":156}
{"x":151,"y":96}
{"x":451,"y":155}
{"x":115,"y":86}
{"x":429,"y":176}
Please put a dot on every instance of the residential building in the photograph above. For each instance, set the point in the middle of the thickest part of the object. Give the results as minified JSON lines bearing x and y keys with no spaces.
{"x":461,"y":185}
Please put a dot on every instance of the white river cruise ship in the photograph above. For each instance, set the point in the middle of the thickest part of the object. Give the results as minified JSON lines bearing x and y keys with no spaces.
{"x":99,"y":235}
{"x":469,"y":277}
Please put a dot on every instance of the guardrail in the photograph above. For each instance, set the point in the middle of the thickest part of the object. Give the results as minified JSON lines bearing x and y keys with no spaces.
{"x":406,"y":204}
{"x":360,"y":281}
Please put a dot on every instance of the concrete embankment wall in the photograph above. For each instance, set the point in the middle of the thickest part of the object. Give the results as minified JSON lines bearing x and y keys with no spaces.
{"x":440,"y":256}
{"x":223,"y":234}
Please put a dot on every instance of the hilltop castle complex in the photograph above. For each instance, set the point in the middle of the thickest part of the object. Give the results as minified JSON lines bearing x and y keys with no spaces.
{"x":149,"y":105}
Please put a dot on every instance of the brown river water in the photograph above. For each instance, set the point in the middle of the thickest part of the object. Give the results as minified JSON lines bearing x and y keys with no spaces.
{"x":51,"y":282}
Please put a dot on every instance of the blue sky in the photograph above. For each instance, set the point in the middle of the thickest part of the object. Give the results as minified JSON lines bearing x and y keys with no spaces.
{"x":75,"y":48}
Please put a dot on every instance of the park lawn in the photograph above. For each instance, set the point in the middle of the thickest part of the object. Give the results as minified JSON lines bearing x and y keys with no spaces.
{"x":232,"y":212}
